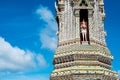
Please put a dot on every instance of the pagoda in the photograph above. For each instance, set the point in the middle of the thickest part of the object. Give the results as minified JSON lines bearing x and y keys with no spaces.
{"x":82,"y":53}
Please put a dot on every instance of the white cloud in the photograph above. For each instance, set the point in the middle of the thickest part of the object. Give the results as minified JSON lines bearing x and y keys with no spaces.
{"x":48,"y":41}
{"x":41,"y":61}
{"x":45,"y":13}
{"x":48,"y":34}
{"x":119,"y":74}
{"x":14,"y":59}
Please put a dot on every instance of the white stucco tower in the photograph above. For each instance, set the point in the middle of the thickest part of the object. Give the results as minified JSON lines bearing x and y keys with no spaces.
{"x":82,"y":53}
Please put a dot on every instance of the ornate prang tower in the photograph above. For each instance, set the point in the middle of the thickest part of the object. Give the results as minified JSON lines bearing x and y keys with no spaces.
{"x":81,"y":53}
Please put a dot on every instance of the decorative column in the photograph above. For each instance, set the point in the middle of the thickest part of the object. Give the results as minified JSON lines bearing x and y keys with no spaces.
{"x":68,"y":21}
{"x":71,"y":16}
{"x":90,"y":23}
{"x":60,"y":30}
{"x":62,"y":27}
{"x":77,"y":23}
{"x":65,"y":21}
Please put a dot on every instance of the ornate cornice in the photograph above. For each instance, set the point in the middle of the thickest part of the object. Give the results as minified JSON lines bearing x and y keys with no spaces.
{"x":83,"y":49}
{"x":94,"y":70}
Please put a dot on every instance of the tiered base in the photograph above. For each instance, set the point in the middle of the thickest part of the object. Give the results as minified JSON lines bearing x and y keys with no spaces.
{"x":84,"y":77}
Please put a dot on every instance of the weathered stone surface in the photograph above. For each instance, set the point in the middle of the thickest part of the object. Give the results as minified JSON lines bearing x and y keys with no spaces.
{"x":82,"y":53}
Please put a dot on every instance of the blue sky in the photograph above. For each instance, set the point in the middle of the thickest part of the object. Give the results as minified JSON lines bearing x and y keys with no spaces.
{"x":28,"y":38}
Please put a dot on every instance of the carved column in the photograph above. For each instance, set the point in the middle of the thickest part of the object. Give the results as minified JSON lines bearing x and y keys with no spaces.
{"x":65,"y":21}
{"x":68,"y":21}
{"x":90,"y":23}
{"x":60,"y":28}
{"x":77,"y":22}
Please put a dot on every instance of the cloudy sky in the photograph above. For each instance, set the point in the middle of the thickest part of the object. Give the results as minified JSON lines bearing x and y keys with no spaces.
{"x":28,"y":38}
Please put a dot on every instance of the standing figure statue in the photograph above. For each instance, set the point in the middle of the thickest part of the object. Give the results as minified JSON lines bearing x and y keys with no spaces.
{"x":84,"y":31}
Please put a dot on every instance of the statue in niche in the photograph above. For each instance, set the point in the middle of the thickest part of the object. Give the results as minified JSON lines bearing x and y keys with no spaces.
{"x":84,"y":31}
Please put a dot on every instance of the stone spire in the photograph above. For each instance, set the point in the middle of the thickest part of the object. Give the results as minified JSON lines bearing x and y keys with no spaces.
{"x":82,"y":53}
